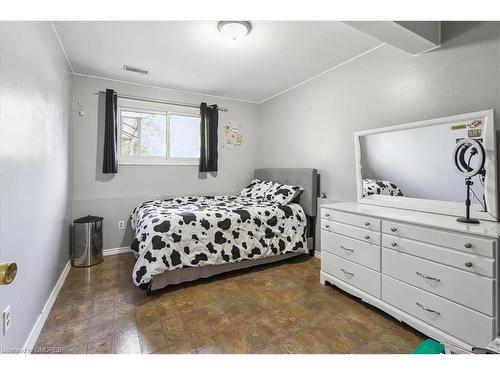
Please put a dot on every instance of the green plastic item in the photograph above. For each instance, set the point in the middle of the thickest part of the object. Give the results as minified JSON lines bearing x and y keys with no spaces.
{"x":429,"y":346}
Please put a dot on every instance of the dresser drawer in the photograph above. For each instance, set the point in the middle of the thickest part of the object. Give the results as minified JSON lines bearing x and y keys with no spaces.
{"x":365,"y":235}
{"x":356,"y":220}
{"x":465,"y":261}
{"x":469,"y":326}
{"x":452,"y":240}
{"x":473,"y":291}
{"x":356,"y":251}
{"x":326,"y":214}
{"x":351,"y":273}
{"x":326,"y":224}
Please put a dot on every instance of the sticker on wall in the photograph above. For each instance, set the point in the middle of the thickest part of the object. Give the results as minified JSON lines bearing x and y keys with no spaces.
{"x":473,"y":133}
{"x":471,"y":125}
{"x":233,"y":135}
{"x":475,"y":124}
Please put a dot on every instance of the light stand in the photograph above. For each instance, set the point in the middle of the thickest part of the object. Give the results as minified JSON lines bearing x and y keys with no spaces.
{"x":475,"y":148}
{"x":467,"y":219}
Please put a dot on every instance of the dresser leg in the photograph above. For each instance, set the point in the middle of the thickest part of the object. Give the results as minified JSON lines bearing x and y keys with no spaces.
{"x":322,"y":279}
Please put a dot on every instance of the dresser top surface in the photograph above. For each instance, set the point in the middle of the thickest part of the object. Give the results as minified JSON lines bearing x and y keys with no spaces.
{"x":485,"y":228}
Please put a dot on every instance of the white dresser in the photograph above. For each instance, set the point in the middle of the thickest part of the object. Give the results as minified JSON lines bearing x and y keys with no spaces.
{"x":435,"y":274}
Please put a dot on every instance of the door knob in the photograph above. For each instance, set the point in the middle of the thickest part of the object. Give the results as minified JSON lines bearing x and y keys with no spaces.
{"x":8,"y":272}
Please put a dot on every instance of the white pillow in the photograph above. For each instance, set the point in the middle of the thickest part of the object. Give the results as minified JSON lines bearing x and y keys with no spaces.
{"x":256,"y":190}
{"x":283,"y":194}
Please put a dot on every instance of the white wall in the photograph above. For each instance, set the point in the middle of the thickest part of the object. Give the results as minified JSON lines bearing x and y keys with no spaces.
{"x":114,"y":197}
{"x":35,"y":181}
{"x":313,"y":125}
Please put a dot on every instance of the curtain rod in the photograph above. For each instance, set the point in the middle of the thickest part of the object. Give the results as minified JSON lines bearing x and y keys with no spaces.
{"x":191,"y":105}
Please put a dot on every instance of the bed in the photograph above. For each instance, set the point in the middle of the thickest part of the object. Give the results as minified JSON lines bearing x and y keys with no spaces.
{"x":381,"y":187}
{"x":187,"y":238}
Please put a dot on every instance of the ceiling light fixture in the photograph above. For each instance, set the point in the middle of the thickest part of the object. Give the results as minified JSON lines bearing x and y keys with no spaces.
{"x":234,"y":29}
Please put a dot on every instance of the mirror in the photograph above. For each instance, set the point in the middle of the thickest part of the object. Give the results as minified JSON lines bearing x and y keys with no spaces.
{"x":411,"y":166}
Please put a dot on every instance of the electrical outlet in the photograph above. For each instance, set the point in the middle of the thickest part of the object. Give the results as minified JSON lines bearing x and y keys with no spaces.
{"x":6,"y":320}
{"x":121,"y":224}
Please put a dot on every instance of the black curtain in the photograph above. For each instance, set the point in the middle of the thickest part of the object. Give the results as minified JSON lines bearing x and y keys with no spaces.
{"x":110,"y":160}
{"x":209,"y":116}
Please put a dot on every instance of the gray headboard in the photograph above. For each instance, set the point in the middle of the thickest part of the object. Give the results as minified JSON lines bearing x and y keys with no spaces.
{"x":304,"y":177}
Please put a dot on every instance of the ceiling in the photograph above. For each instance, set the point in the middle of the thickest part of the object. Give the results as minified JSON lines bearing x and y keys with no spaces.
{"x":194,"y":56}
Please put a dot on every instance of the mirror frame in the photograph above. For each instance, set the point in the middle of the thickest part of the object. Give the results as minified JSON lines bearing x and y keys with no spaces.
{"x":437,"y":206}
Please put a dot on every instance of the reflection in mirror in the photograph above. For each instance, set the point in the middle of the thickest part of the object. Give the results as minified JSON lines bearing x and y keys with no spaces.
{"x":417,"y":163}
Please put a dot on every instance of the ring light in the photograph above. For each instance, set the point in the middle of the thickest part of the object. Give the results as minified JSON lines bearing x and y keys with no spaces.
{"x":474,"y":149}
{"x":459,"y":152}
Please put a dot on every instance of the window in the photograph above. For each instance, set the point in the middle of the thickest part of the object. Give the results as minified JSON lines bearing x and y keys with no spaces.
{"x":184,"y":136}
{"x":153,"y":133}
{"x":143,"y":133}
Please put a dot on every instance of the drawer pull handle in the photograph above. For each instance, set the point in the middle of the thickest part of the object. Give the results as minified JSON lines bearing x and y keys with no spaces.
{"x":367,"y":224}
{"x":394,"y":244}
{"x":428,"y":277}
{"x":346,"y":249}
{"x":468,"y":264}
{"x":327,"y":215}
{"x":468,"y":245}
{"x":350,"y":274}
{"x":427,"y":309}
{"x":327,"y":226}
{"x":367,"y":237}
{"x":393,"y":229}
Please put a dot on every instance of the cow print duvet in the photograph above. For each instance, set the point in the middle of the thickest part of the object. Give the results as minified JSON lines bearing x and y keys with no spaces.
{"x":380,"y":187}
{"x":208,"y":230}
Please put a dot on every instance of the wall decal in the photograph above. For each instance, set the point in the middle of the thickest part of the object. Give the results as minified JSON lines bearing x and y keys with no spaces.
{"x":233,"y":135}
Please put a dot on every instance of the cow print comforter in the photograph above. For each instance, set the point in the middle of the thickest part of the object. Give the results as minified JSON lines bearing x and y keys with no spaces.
{"x":208,"y":230}
{"x":380,"y":187}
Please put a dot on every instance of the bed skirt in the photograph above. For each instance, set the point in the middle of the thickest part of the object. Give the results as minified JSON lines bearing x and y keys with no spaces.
{"x":182,"y":275}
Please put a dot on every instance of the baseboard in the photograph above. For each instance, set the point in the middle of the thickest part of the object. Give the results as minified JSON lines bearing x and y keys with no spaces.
{"x":40,"y":322}
{"x":116,"y":250}
{"x":317,"y":254}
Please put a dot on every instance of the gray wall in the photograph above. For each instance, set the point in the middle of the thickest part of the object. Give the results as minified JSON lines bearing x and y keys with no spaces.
{"x":313,"y":125}
{"x":114,"y":197}
{"x":429,"y":30}
{"x":35,"y":182}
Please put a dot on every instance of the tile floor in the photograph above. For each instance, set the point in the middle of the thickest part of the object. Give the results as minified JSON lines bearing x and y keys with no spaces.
{"x":280,"y":308}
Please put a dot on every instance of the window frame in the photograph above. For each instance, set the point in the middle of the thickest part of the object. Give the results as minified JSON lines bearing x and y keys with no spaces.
{"x":154,"y":108}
